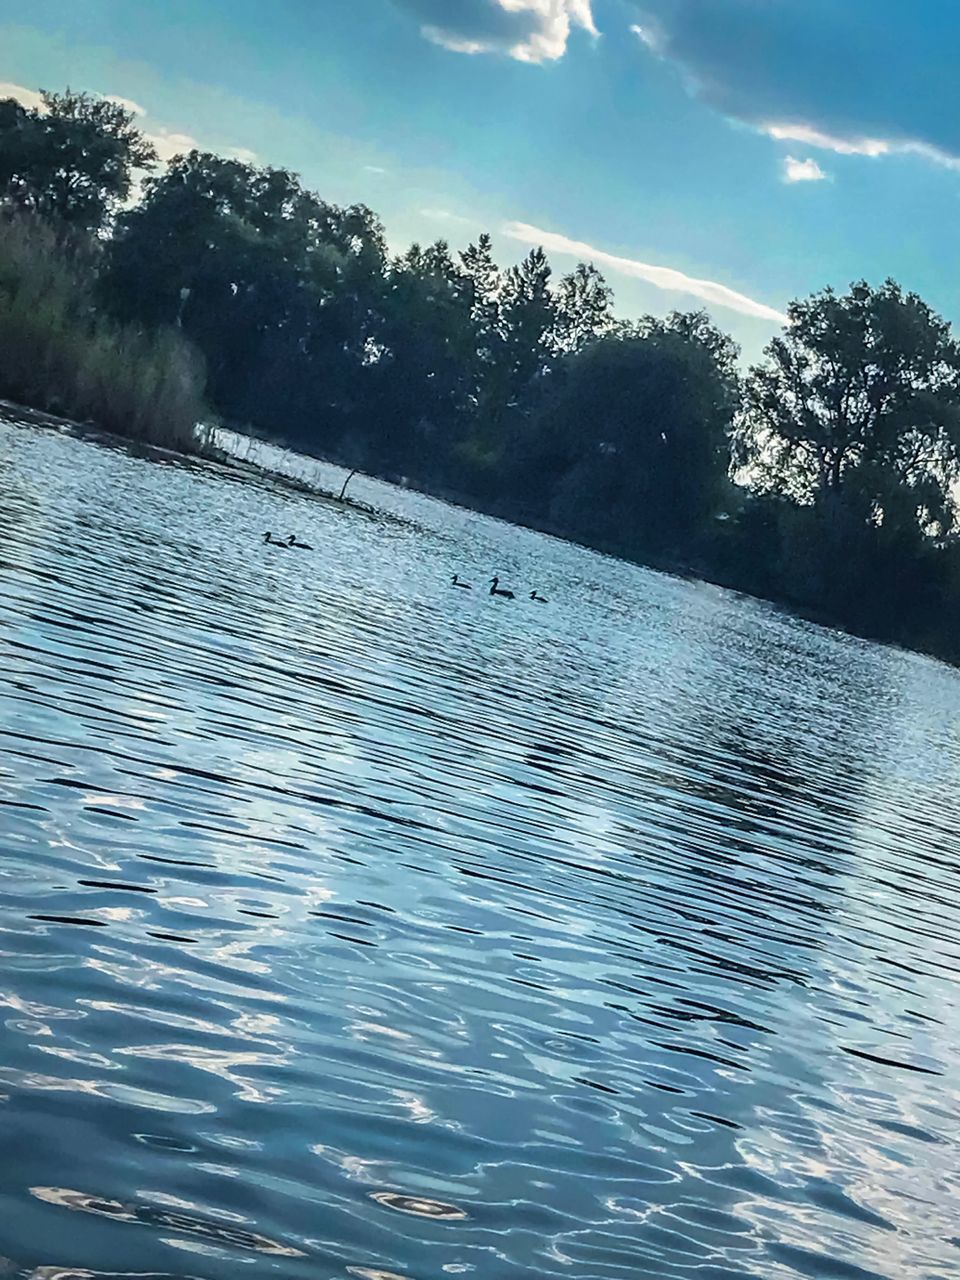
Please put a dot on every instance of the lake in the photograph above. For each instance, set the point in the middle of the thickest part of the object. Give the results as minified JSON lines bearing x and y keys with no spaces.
{"x":352,"y":925}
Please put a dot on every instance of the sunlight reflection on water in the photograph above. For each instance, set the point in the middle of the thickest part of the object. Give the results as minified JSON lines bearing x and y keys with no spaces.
{"x":358,"y":926}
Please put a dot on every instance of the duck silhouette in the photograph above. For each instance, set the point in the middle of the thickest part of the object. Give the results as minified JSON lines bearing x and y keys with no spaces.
{"x":495,"y":590}
{"x":303,"y":546}
{"x":275,"y":542}
{"x":539,"y":598}
{"x":458,"y":582}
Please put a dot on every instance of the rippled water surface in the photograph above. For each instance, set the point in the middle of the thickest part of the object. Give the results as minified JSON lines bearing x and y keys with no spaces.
{"x":355,"y":926}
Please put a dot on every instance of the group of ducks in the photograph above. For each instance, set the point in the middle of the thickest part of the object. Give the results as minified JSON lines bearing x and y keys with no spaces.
{"x":292,"y":540}
{"x":497,"y":590}
{"x":286,"y":543}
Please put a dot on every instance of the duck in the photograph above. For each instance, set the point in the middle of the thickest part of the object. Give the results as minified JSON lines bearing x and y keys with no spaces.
{"x":458,"y":582}
{"x":275,"y":542}
{"x":495,"y":591}
{"x":534,"y":595}
{"x":303,"y":546}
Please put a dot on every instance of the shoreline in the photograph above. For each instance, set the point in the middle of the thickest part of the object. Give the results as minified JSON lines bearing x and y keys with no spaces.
{"x":23,"y":415}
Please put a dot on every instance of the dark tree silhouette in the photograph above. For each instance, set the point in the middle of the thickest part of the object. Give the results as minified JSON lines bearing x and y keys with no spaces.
{"x":632,"y":442}
{"x":859,"y":398}
{"x":73,"y":161}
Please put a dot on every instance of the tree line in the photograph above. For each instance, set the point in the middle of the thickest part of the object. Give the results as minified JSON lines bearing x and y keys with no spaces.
{"x":825,"y":477}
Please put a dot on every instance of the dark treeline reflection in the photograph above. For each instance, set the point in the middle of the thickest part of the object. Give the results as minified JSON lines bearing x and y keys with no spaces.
{"x":824,"y":478}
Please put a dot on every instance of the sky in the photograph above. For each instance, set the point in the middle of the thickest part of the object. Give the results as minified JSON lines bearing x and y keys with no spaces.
{"x":726,"y":154}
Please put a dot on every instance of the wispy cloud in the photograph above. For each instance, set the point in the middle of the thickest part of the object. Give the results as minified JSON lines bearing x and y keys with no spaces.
{"x":128,"y":104}
{"x":444,"y":215}
{"x":795,"y":170}
{"x":666,"y":278}
{"x":243,"y":154}
{"x":377,"y":169}
{"x":169,"y":144}
{"x":527,"y":30}
{"x":812,"y":137}
{"x":859,"y":146}
{"x":33,"y":100}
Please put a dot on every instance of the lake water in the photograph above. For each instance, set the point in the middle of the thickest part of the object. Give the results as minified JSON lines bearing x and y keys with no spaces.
{"x":355,"y":926}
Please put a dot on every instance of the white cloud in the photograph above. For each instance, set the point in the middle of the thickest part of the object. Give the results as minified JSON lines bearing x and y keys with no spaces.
{"x":859,"y":146}
{"x":795,"y":170}
{"x":376,"y":169}
{"x":128,"y":104}
{"x":650,"y":35}
{"x":660,"y":277}
{"x":243,"y":154}
{"x":170,"y":144}
{"x":548,"y":26}
{"x":825,"y":141}
{"x":28,"y":98}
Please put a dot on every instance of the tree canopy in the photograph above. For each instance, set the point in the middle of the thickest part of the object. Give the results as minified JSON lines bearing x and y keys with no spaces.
{"x":859,"y":398}
{"x":72,"y":160}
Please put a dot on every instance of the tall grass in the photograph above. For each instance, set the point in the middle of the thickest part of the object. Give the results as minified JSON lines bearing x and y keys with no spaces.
{"x":59,"y":355}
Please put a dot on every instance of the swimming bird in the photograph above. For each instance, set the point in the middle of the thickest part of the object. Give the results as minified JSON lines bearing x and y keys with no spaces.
{"x":292,"y":542}
{"x":457,"y":582}
{"x":539,"y":599}
{"x":275,"y":542}
{"x":495,"y":591}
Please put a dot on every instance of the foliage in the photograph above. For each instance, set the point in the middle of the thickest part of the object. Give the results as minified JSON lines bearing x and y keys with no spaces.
{"x":58,"y":354}
{"x":659,"y":397}
{"x":275,"y":286}
{"x":859,"y":403}
{"x":72,"y":160}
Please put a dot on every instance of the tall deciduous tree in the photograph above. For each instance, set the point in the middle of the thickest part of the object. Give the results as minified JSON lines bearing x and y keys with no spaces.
{"x":631,"y":447}
{"x":583,"y":308}
{"x":73,"y":160}
{"x":275,"y":285}
{"x":422,"y":379}
{"x":858,"y":404}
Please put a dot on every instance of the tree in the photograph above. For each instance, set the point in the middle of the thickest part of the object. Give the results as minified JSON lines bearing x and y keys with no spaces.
{"x":527,"y":318}
{"x":423,"y":377}
{"x":629,"y":450}
{"x":73,"y":160}
{"x":857,"y":407}
{"x":277,"y":287}
{"x":583,"y":308}
{"x":482,"y":284}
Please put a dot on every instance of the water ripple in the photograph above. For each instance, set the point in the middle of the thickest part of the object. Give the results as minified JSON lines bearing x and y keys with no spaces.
{"x":350,"y":929}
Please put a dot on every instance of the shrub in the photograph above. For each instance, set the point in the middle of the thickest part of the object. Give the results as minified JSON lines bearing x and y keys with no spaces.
{"x":58,"y":355}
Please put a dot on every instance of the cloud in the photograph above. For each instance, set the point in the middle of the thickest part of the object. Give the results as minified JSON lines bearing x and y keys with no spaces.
{"x":33,"y":100}
{"x":795,"y":170}
{"x":815,"y":138}
{"x":859,"y":146}
{"x":169,"y":144}
{"x":666,"y":278}
{"x":527,"y":30}
{"x":860,"y":78}
{"x":445,"y":215}
{"x":28,"y":98}
{"x":377,"y":169}
{"x":128,"y":104}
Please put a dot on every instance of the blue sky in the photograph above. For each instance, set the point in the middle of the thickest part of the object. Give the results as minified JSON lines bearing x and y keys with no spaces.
{"x":727,"y":153}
